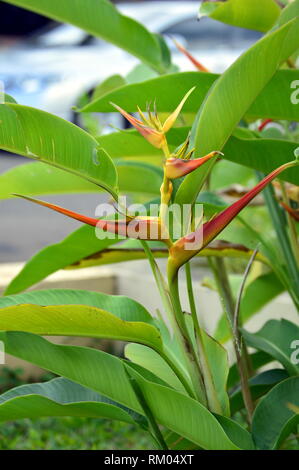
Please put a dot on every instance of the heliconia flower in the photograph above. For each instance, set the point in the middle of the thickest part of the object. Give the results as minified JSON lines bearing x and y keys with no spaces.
{"x":151,"y":127}
{"x":189,"y":56}
{"x":180,"y":252}
{"x":141,"y":227}
{"x":176,"y":168}
{"x":264,"y":123}
{"x":293,"y":212}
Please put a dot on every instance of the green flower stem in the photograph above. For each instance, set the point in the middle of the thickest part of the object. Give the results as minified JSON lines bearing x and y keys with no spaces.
{"x":164,"y":294}
{"x":291,"y":224}
{"x":220,"y":274}
{"x":212,"y":397}
{"x":193,"y":364}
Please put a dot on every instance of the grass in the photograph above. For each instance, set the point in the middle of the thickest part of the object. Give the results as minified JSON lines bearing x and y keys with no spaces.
{"x":72,"y":434}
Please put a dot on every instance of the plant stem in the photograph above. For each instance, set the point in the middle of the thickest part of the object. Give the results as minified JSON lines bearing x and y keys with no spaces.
{"x":194,"y":367}
{"x":219,"y":270}
{"x":212,"y":397}
{"x":292,"y":226}
{"x":164,"y":294}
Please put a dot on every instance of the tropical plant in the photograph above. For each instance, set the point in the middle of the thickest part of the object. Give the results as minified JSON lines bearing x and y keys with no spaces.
{"x":205,"y":133}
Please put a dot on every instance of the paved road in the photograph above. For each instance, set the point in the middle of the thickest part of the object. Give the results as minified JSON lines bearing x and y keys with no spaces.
{"x":26,"y":228}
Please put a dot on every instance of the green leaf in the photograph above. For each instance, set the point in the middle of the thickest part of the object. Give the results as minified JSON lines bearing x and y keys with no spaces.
{"x":276,"y":338}
{"x":91,"y":368}
{"x":256,"y":14}
{"x":108,"y":85}
{"x":7,"y":98}
{"x":259,"y":386}
{"x":105,"y":374}
{"x":36,"y":178}
{"x":289,"y":12}
{"x":262,"y":154}
{"x":101,"y":18}
{"x":45,"y":137}
{"x":273,"y":420}
{"x":153,"y":362}
{"x":184,"y":416}
{"x":131,"y":251}
{"x":59,"y":397}
{"x":76,"y":246}
{"x":168,"y":90}
{"x":123,"y":307}
{"x":76,"y":320}
{"x":257,"y":294}
{"x":233,"y":94}
{"x":257,"y":359}
{"x":240,"y":436}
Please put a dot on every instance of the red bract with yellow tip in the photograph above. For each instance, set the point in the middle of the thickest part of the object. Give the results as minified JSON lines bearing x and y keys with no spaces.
{"x":176,"y":168}
{"x":180,"y":252}
{"x":151,"y":127}
{"x":140,"y":228}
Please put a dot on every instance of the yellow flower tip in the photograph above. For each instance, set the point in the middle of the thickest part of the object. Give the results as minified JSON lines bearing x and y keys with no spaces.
{"x":173,"y":117}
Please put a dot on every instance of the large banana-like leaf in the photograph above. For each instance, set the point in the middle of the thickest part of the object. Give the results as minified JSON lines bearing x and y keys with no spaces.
{"x":188,"y":418}
{"x":273,"y":419}
{"x":105,"y":374}
{"x":97,"y":370}
{"x":168,"y":90}
{"x":233,"y":94}
{"x":276,"y":338}
{"x":256,"y":14}
{"x":48,"y":138}
{"x":36,"y":178}
{"x":76,"y":320}
{"x":101,"y":18}
{"x":131,"y":250}
{"x":76,"y":246}
{"x":59,"y":397}
{"x":82,"y":249}
{"x":121,"y":306}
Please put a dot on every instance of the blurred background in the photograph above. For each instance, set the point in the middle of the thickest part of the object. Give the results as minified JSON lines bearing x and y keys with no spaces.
{"x":51,"y":66}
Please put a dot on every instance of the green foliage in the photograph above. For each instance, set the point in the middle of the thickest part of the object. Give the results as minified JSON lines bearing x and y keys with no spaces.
{"x":175,"y":381}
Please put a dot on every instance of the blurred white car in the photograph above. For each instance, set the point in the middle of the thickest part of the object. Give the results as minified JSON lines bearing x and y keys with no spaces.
{"x":52,"y":69}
